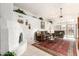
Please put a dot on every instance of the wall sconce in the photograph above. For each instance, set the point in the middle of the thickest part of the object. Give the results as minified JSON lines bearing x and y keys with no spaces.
{"x":26,"y":22}
{"x":20,"y":21}
{"x":50,"y":22}
{"x":29,"y":26}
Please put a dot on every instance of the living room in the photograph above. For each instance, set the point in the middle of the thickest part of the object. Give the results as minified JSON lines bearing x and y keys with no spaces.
{"x":39,"y":26}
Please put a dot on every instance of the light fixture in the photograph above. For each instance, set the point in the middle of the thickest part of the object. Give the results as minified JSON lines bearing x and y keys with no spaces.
{"x":50,"y":21}
{"x":20,"y":21}
{"x":40,"y":18}
{"x":26,"y":22}
{"x":61,"y":16}
{"x":29,"y":26}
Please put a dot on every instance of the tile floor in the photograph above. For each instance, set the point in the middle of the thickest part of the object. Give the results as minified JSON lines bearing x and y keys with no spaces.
{"x":33,"y":51}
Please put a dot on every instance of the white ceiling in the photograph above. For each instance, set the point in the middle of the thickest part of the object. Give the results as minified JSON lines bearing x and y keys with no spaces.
{"x":50,"y":10}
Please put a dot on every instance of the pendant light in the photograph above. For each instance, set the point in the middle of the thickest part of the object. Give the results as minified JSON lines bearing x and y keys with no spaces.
{"x":61,"y":16}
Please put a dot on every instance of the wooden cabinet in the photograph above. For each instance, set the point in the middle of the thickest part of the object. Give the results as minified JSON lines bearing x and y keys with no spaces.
{"x":40,"y":36}
{"x":78,"y":33}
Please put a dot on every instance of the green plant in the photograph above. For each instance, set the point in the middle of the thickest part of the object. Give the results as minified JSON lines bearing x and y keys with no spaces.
{"x":20,"y":11}
{"x":0,"y":54}
{"x":8,"y":53}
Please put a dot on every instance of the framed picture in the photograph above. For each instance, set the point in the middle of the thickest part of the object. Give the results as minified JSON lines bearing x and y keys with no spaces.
{"x":42,"y":25}
{"x":20,"y":21}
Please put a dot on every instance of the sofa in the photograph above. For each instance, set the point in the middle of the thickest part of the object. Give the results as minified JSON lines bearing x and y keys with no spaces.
{"x":41,"y":36}
{"x":58,"y":34}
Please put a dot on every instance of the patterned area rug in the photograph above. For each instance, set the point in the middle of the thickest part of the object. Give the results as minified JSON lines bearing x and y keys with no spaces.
{"x":57,"y":47}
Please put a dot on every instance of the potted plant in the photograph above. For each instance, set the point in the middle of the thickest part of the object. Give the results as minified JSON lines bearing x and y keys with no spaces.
{"x":0,"y":54}
{"x":8,"y":53}
{"x":20,"y":11}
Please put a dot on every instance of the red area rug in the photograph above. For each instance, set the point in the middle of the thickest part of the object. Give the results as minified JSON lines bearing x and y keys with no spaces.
{"x":57,"y":47}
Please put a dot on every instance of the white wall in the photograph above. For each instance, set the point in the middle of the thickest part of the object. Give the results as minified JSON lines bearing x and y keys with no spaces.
{"x":5,"y":13}
{"x":28,"y":33}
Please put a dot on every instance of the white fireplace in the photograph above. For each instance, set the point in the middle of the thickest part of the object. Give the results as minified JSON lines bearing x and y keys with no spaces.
{"x":10,"y":31}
